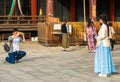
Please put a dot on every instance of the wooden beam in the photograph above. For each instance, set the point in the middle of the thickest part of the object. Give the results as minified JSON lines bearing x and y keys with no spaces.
{"x":72,"y":10}
{"x":92,"y":9}
{"x":112,"y":10}
{"x":33,"y":9}
{"x":49,"y":9}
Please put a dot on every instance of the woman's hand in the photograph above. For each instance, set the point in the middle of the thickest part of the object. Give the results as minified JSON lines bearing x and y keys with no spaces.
{"x":96,"y":44}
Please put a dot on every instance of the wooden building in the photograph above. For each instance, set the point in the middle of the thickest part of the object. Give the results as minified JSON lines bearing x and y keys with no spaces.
{"x":73,"y":10}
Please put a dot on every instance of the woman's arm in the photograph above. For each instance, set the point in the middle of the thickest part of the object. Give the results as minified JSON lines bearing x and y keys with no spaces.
{"x":102,"y":33}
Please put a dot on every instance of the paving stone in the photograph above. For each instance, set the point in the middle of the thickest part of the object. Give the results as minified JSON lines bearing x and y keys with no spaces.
{"x":8,"y":78}
{"x":51,"y":64}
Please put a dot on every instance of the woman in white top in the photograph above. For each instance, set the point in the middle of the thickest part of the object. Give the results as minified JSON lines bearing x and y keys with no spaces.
{"x":103,"y":65}
{"x":112,"y":39}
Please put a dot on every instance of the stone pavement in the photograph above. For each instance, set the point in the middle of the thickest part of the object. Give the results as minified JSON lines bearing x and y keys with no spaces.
{"x":51,"y":64}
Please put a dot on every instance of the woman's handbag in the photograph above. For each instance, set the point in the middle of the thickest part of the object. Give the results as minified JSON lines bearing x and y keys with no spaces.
{"x":6,"y":47}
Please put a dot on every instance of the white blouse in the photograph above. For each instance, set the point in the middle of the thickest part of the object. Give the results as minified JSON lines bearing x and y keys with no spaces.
{"x":103,"y":36}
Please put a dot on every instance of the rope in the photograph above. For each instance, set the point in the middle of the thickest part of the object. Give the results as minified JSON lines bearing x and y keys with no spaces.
{"x":19,"y":6}
{"x":13,"y":7}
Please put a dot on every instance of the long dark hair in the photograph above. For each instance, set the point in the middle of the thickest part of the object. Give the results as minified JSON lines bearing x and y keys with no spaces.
{"x":104,"y":19}
{"x":90,"y":23}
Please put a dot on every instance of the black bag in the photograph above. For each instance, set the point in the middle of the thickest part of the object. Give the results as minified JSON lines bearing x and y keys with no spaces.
{"x":6,"y":47}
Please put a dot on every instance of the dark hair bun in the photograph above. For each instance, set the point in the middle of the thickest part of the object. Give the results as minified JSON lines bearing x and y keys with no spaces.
{"x":103,"y":17}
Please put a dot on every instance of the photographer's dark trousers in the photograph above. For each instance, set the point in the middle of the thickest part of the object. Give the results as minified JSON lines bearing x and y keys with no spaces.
{"x":112,"y":42}
{"x":15,"y":56}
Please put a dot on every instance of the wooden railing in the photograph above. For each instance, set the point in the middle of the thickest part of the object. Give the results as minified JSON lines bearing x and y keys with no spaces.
{"x":27,"y":24}
{"x":30,"y":23}
{"x":21,"y":19}
{"x":47,"y":35}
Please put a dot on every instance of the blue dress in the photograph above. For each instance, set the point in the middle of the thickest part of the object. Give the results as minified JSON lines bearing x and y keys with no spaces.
{"x":103,"y":60}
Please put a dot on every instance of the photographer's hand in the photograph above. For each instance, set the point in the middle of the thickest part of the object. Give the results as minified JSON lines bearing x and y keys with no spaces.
{"x":23,"y":36}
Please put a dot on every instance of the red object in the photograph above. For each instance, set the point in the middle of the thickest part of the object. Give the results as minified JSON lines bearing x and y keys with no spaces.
{"x":72,"y":10}
{"x":33,"y":8}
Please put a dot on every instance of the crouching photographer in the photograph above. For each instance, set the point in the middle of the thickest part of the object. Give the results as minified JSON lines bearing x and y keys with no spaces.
{"x":15,"y":54}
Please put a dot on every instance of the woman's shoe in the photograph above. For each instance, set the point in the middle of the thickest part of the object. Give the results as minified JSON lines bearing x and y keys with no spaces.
{"x":89,"y":51}
{"x":17,"y":61}
{"x":102,"y":75}
{"x":93,"y":51}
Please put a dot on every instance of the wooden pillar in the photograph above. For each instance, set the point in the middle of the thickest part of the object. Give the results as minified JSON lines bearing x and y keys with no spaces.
{"x":49,"y":9}
{"x":92,"y":9}
{"x":5,"y":7}
{"x":33,"y":9}
{"x":112,"y":10}
{"x":72,"y":10}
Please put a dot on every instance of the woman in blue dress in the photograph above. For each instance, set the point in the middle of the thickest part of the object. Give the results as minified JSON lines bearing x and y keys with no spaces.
{"x":103,"y":58}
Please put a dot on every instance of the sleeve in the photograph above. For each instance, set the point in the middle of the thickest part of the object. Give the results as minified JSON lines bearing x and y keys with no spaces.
{"x":102,"y":34}
{"x":62,"y":28}
{"x":10,"y":39}
{"x":113,"y":32}
{"x":94,"y":31}
{"x":21,"y":40}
